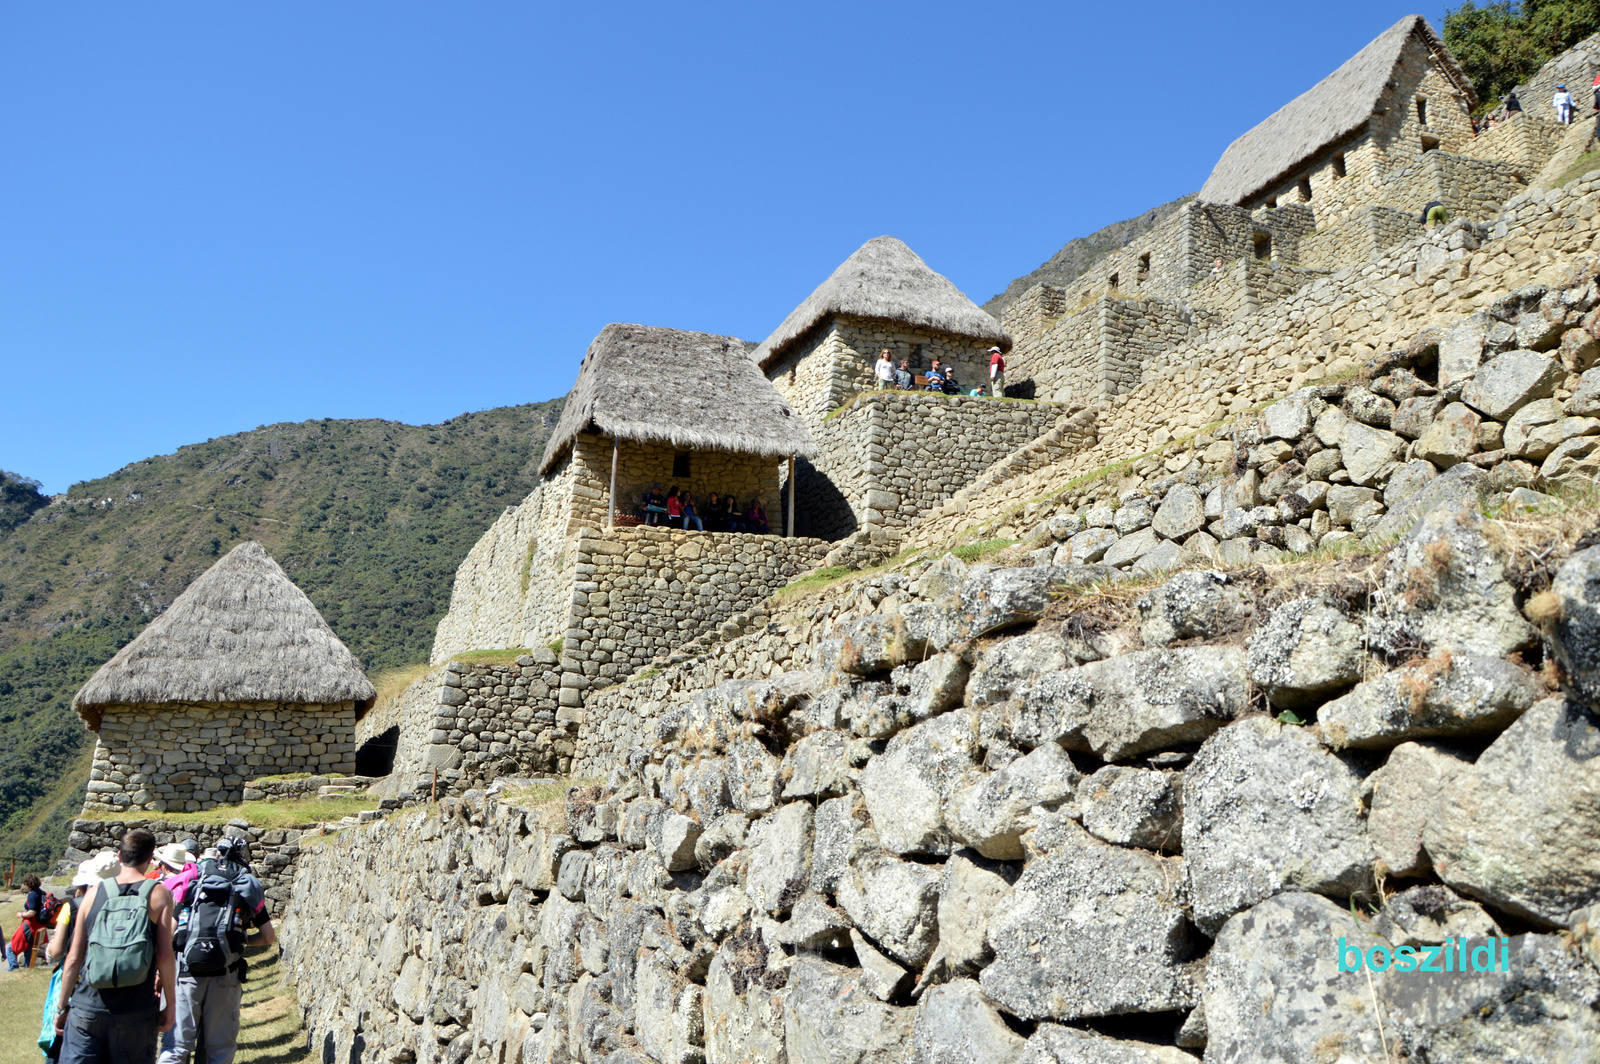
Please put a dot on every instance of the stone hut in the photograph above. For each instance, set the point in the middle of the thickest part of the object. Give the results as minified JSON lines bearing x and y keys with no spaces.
{"x":239,"y":678}
{"x":654,"y":405}
{"x":882,"y":296}
{"x":1338,"y":144}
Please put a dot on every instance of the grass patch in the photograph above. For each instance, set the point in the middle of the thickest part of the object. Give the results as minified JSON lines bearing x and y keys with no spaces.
{"x":1585,"y":163}
{"x":497,"y":656}
{"x":287,"y":776}
{"x":555,"y":645}
{"x":976,"y":552}
{"x":391,"y":683}
{"x":270,"y":1031}
{"x":291,"y":814}
{"x":815,"y":580}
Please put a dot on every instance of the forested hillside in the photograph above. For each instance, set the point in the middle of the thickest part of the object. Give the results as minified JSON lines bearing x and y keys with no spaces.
{"x":370,"y":518}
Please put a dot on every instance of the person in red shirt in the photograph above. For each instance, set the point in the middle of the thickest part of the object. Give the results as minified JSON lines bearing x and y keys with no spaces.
{"x":674,"y":509}
{"x":997,"y":374}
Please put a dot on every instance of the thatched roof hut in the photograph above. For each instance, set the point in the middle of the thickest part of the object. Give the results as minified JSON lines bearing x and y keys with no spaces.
{"x":695,"y":391}
{"x":242,"y":632}
{"x":1332,"y":110}
{"x":885,"y":281}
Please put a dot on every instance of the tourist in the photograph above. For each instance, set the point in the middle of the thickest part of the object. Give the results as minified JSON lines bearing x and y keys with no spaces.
{"x":1434,"y":214}
{"x":674,"y":508}
{"x":884,"y":371}
{"x":19,"y":950}
{"x":210,"y":1002}
{"x":1513,"y":105}
{"x":732,"y":518}
{"x":1597,"y":92}
{"x":755,"y":518}
{"x":1216,"y":268}
{"x":1562,"y":102}
{"x":902,"y":378}
{"x":655,"y":505}
{"x":119,"y":1025}
{"x":951,"y":385}
{"x":691,"y":516}
{"x":935,"y":378}
{"x":997,"y":373}
{"x":713,"y":514}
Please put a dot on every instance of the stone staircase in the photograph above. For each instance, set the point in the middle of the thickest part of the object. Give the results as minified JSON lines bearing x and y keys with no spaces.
{"x":1578,"y":141}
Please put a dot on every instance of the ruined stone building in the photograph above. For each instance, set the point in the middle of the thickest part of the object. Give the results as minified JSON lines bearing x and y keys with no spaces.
{"x":239,"y":678}
{"x":1332,"y":178}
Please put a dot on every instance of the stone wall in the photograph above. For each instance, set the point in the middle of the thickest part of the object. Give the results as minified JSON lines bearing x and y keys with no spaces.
{"x":1524,"y":141}
{"x":643,"y":592}
{"x":1358,"y":238}
{"x":893,"y":455}
{"x":996,"y":817}
{"x":1473,"y":189}
{"x":191,"y":756}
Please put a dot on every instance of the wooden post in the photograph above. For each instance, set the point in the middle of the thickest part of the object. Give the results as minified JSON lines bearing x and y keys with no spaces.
{"x":788,"y":528}
{"x":616,"y":446}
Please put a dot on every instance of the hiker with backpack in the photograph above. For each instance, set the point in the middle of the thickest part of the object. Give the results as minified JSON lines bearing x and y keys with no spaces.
{"x":222,"y":904}
{"x":121,"y":945}
{"x":39,"y":911}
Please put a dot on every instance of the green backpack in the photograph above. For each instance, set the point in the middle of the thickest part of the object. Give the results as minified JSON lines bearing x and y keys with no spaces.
{"x":122,"y":942}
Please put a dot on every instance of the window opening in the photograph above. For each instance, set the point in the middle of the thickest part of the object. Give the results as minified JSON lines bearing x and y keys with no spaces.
{"x":1113,"y":282}
{"x":791,"y":374}
{"x":1272,"y":204}
{"x":1305,"y":189}
{"x":680,"y":464}
{"x":1422,"y":111}
{"x":1338,"y":165}
{"x":1430,"y":144}
{"x":1263,"y":244}
{"x":1144,"y":265}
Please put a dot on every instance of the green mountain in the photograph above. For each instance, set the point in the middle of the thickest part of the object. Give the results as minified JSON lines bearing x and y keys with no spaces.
{"x":1079,"y":253}
{"x":370,"y":518}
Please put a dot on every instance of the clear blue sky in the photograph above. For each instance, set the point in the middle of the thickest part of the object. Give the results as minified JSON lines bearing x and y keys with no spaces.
{"x":216,"y":216}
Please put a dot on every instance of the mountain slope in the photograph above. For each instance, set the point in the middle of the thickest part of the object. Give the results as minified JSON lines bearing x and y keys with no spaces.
{"x":1078,"y":254}
{"x":370,"y":518}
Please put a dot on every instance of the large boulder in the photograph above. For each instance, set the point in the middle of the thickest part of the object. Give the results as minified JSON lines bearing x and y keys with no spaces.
{"x":1505,"y":384}
{"x":780,"y":858}
{"x":1449,"y":696}
{"x":972,"y":891}
{"x":1367,"y":450}
{"x":1444,"y":588}
{"x":1134,"y":807}
{"x":1576,"y":630}
{"x":1274,"y":991}
{"x":895,"y":902}
{"x":1003,"y":598}
{"x":954,"y":1024}
{"x":1451,"y":437}
{"x":1135,"y":703}
{"x":1404,"y":792}
{"x":1518,"y":828}
{"x":1052,"y":1043}
{"x":1574,"y":462}
{"x":1183,"y":511}
{"x":668,"y":1013}
{"x":991,"y":813}
{"x":829,"y":1019}
{"x":1092,"y":930}
{"x":1266,"y":810}
{"x":1456,"y":491}
{"x":743,"y":1017}
{"x":905,"y":787}
{"x":1197,"y":604}
{"x":1306,"y":650}
{"x":1005,"y":666}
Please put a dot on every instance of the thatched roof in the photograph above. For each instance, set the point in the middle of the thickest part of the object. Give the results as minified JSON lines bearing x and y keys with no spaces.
{"x":696,"y":391}
{"x":886,"y":281}
{"x":1333,"y":109}
{"x":242,"y":632}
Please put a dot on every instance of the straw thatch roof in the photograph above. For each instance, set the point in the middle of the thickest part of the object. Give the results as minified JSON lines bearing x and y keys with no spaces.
{"x":242,"y":632}
{"x":696,"y":391}
{"x":1333,"y":109}
{"x":886,"y":281}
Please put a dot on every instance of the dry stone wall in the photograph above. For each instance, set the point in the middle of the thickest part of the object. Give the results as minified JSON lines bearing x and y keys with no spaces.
{"x":195,"y":755}
{"x":968,"y":814}
{"x":1473,"y":189}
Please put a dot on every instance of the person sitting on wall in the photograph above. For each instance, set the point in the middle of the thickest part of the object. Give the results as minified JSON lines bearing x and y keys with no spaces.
{"x":902,"y":377}
{"x":1513,"y":105}
{"x":755,"y":519}
{"x":935,"y":378}
{"x":655,"y":506}
{"x":883,"y":370}
{"x":732,"y":518}
{"x":1434,"y":215}
{"x":674,"y":508}
{"x":951,"y":386}
{"x":713,"y":514}
{"x":691,"y":516}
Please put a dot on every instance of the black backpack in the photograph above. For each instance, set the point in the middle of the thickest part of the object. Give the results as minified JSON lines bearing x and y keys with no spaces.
{"x":211,"y":924}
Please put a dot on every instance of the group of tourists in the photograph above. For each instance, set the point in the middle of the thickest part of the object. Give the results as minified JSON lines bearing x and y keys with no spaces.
{"x":677,"y":509}
{"x":149,"y":950}
{"x":941,"y":377}
{"x":1562,"y":102}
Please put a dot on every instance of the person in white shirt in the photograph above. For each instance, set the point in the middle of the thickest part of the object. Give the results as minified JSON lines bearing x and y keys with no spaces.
{"x":1562,"y":102}
{"x":884,"y":370}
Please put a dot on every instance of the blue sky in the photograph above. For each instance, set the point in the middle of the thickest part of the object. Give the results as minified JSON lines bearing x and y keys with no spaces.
{"x":216,"y":216}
